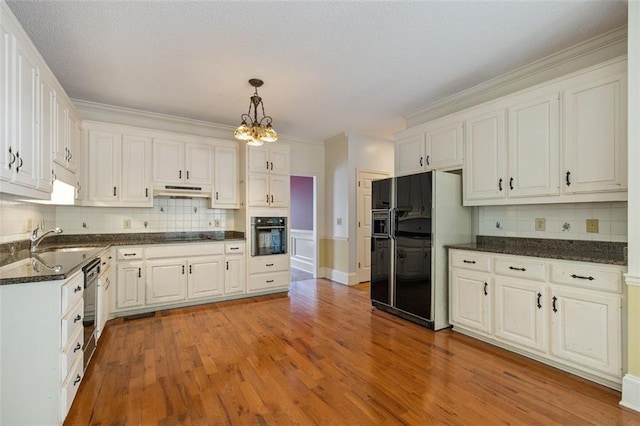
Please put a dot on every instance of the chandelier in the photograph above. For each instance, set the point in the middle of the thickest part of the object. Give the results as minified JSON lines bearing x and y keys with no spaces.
{"x":258,"y":132}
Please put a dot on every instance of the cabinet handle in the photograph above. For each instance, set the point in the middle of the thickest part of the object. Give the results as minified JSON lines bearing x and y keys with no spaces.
{"x":77,"y":318}
{"x":555,"y":299}
{"x":428,"y":160}
{"x":269,"y":281}
{"x":179,"y":174}
{"x":77,"y":380}
{"x":182,"y":269}
{"x":267,"y":165}
{"x":271,"y":198}
{"x":115,"y":191}
{"x":568,"y":180}
{"x":77,"y":348}
{"x":267,"y":198}
{"x":139,"y":272}
{"x":500,"y":184}
{"x":187,"y":174}
{"x":77,"y":289}
{"x":234,"y":248}
{"x":269,"y":264}
{"x":128,"y":254}
{"x":469,"y":261}
{"x":511,"y":184}
{"x":539,"y":304}
{"x":272,"y":165}
{"x":227,"y":266}
{"x":13,"y":158}
{"x":79,"y":186}
{"x":216,"y":195}
{"x":580,"y":277}
{"x":53,"y":176}
{"x":420,"y":161}
{"x":485,"y":289}
{"x":513,"y":268}
{"x":190,"y":270}
{"x":70,"y":156}
{"x":146,"y":192}
{"x":20,"y":160}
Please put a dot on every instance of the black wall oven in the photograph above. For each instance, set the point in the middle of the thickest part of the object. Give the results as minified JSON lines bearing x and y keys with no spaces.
{"x":268,"y":236}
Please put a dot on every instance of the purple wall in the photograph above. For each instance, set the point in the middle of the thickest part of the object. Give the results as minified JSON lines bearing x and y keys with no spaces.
{"x":302,"y":203}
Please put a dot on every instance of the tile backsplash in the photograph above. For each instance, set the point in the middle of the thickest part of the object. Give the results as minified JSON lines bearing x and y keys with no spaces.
{"x":563,"y":221}
{"x":166,"y":215}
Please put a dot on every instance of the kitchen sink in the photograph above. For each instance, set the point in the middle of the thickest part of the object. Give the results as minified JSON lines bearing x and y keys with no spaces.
{"x":68,"y":249}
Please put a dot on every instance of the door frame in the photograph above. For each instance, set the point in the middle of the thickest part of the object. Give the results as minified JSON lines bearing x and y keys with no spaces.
{"x":316,"y":250}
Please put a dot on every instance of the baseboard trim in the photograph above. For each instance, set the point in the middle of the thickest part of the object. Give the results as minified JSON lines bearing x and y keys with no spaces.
{"x":631,"y":392}
{"x":340,"y":277}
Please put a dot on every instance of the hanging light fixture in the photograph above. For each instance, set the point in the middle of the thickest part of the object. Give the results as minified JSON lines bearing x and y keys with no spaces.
{"x":257,"y":132}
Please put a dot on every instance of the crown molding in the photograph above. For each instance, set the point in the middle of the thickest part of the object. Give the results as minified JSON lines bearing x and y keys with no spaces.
{"x":95,"y":111}
{"x":590,"y":52}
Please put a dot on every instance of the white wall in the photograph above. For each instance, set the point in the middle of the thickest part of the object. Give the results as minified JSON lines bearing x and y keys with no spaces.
{"x":519,"y":221}
{"x":336,"y":187}
{"x":307,"y":159}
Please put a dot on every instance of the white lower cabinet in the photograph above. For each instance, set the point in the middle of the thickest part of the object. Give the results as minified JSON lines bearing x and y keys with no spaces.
{"x":268,"y":273}
{"x":568,"y":314}
{"x":41,"y":336}
{"x":167,"y":275}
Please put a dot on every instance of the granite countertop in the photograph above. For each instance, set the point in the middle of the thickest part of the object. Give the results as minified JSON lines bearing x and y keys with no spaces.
{"x":583,"y":251}
{"x":19,"y":265}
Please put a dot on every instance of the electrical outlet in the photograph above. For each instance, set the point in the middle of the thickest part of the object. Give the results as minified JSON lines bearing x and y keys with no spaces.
{"x":339,"y":221}
{"x":216,"y":223}
{"x":126,"y":224}
{"x":541,"y":224}
{"x":592,"y":226}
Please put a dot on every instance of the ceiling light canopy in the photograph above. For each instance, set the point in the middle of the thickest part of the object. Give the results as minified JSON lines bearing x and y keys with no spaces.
{"x":260,"y":131}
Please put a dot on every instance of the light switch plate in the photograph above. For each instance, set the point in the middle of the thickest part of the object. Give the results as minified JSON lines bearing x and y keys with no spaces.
{"x":592,"y":226}
{"x":541,"y":224}
{"x":126,"y":224}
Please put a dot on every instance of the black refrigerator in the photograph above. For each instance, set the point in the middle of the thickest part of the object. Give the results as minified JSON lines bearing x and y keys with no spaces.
{"x":413,"y":218}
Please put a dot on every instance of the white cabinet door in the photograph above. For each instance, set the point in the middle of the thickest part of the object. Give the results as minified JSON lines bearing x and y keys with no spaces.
{"x":534,"y":147}
{"x":234,"y":275}
{"x":225,"y":177}
{"x":595,"y":143}
{"x":521,"y":313}
{"x":168,"y":161}
{"x":27,"y":89}
{"x":258,"y":190}
{"x":443,"y":146}
{"x":73,"y":141}
{"x":470,"y":300}
{"x":198,"y":164}
{"x":61,"y":150}
{"x":410,"y":155}
{"x":585,"y":329}
{"x":47,"y":135}
{"x":104,"y":166}
{"x":279,"y":160}
{"x":258,"y":159}
{"x":279,"y":190}
{"x":484,"y":173}
{"x":206,"y":277}
{"x":167,"y":281}
{"x":130,"y":285}
{"x":136,"y":170}
{"x":268,"y":159}
{"x":7,"y":41}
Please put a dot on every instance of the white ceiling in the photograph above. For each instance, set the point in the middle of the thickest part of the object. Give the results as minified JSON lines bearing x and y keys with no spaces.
{"x":328,"y":67}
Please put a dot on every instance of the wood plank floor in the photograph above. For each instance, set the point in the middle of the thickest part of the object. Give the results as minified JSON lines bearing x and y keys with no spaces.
{"x":321,"y":355}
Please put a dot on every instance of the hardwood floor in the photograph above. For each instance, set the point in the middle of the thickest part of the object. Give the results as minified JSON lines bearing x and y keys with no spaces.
{"x":321,"y":356}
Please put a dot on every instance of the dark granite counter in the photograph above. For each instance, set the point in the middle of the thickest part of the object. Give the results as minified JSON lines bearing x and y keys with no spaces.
{"x":577,"y":250}
{"x":19,"y":265}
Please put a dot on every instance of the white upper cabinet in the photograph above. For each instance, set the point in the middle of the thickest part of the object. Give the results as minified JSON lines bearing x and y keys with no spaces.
{"x":269,"y":159}
{"x":595,"y":140}
{"x":179,"y":162}
{"x":534,"y":147}
{"x":225,"y":180}
{"x":268,"y":181}
{"x":119,"y":169}
{"x":485,"y":167}
{"x":436,"y":147}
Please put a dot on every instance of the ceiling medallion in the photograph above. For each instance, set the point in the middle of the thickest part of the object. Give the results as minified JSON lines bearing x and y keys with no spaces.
{"x":260,"y":131}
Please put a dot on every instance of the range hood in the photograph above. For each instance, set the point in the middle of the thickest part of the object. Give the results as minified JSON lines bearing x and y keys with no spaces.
{"x":182,"y":191}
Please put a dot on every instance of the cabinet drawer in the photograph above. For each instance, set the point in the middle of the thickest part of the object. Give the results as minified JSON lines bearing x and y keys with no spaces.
{"x":71,"y":322}
{"x":260,"y":264}
{"x":471,"y":260}
{"x":233,"y":248}
{"x":185,"y":250}
{"x":586,"y":277}
{"x":72,"y":291}
{"x":514,"y":267}
{"x":70,"y":388}
{"x":70,"y":355}
{"x":129,"y":253}
{"x":268,"y":281}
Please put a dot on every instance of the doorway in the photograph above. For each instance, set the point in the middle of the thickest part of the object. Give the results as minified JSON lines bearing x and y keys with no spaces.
{"x":303,"y":246}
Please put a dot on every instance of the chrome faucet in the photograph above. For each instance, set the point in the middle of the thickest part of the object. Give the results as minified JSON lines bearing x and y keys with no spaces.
{"x":35,"y":240}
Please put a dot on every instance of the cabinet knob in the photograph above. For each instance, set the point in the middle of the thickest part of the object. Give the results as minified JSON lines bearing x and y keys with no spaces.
{"x":77,"y":318}
{"x":77,"y":380}
{"x":77,"y":289}
{"x":77,"y":348}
